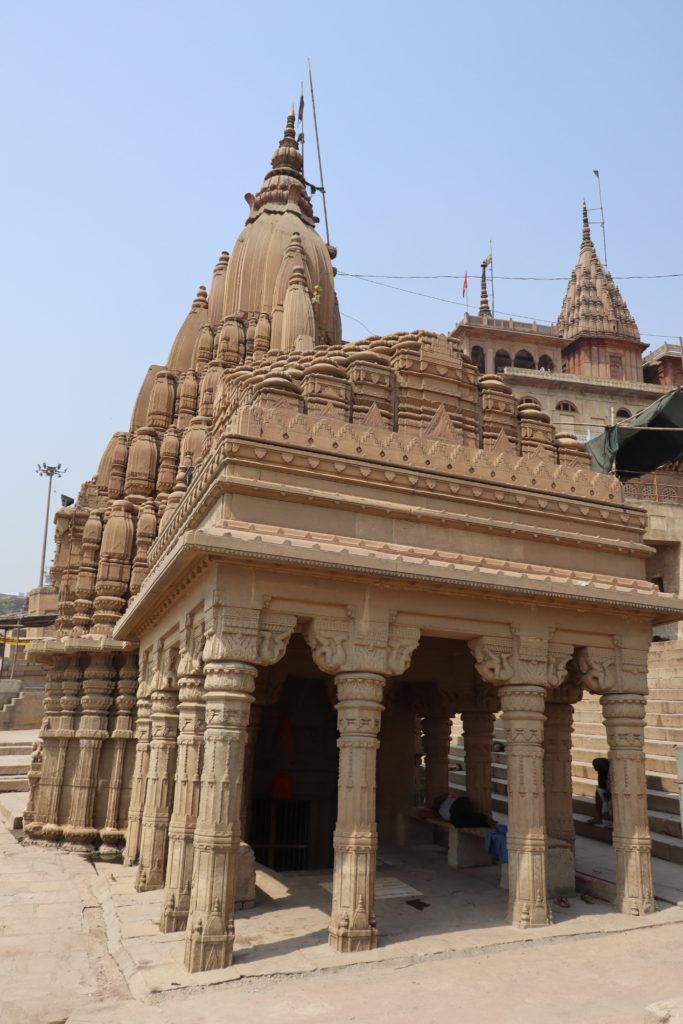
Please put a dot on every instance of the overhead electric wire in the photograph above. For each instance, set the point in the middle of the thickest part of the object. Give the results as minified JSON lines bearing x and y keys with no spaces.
{"x":453,"y":302}
{"x":502,"y":277}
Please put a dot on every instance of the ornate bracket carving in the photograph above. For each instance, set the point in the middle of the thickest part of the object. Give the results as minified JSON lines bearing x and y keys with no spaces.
{"x":339,"y":645}
{"x":493,"y":658}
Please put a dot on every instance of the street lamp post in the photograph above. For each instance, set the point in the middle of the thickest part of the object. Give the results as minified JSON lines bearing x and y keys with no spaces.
{"x":48,"y":471}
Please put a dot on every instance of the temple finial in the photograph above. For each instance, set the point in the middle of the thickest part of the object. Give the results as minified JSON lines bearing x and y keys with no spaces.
{"x":289,"y":128}
{"x":484,"y":309}
{"x":586,"y":233}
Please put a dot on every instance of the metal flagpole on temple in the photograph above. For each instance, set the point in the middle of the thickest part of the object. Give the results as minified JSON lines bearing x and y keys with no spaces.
{"x":317,"y":144}
{"x":602,"y":215}
{"x":493,"y":295}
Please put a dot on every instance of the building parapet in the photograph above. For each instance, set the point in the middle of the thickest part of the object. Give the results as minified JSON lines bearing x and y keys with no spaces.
{"x":574,"y":379}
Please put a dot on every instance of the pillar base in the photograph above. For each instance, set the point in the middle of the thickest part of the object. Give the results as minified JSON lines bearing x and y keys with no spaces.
{"x":209,"y":948}
{"x":80,"y":839}
{"x":148,"y":882}
{"x":112,"y":844}
{"x":34,"y":830}
{"x":359,"y":940}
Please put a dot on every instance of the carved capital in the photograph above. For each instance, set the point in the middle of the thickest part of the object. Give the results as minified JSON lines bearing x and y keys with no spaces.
{"x":493,"y":658}
{"x":275,"y":631}
{"x":248,"y":635}
{"x":340,"y":645}
{"x":595,"y":667}
{"x":559,"y":660}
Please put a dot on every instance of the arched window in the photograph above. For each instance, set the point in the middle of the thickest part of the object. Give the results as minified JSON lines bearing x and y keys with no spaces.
{"x":502,"y":360}
{"x":546,"y":363}
{"x":566,"y":407}
{"x":478,"y":358}
{"x":623,"y":414}
{"x":530,"y":400}
{"x":524,"y":360}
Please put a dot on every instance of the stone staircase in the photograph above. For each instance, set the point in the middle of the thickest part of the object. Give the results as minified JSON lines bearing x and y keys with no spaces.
{"x":15,"y":759}
{"x":663,"y":729}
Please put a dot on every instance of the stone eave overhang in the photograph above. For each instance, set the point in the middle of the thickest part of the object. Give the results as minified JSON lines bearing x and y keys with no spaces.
{"x":221,"y":476}
{"x":198,"y":550}
{"x":44,"y":649}
{"x":608,"y":339}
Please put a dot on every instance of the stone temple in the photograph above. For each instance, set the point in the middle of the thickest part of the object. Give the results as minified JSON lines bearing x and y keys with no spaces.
{"x":299,"y":550}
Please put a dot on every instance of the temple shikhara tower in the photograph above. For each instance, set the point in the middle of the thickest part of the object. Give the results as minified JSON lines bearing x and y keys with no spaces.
{"x":299,"y":549}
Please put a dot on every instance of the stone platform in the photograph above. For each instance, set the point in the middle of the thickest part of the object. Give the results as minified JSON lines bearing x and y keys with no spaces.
{"x":423,"y":909}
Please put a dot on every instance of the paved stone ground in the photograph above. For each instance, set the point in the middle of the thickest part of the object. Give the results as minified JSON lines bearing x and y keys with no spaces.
{"x":592,"y":967}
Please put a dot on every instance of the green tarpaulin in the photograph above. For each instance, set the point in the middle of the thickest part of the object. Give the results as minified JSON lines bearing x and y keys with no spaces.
{"x":629,"y":449}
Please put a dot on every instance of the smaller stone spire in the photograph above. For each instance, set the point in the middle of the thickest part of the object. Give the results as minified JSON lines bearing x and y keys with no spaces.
{"x":201,"y":300}
{"x":586,"y":231}
{"x":484,"y":308}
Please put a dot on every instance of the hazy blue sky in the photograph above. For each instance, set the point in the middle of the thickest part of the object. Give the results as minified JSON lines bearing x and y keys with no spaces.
{"x":131,"y":132}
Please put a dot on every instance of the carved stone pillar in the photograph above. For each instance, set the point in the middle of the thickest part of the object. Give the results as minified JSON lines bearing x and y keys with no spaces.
{"x":557,"y":771}
{"x":477,"y":731}
{"x":624,"y":717}
{"x":98,"y":680}
{"x":228,"y":694}
{"x":181,"y":829}
{"x":112,"y":835}
{"x":143,"y":728}
{"x":436,"y":732}
{"x":160,"y":775}
{"x":360,"y":655}
{"x":523,"y":718}
{"x":237,"y":640}
{"x":359,"y":711}
{"x":518,"y":665}
{"x":619,"y":675}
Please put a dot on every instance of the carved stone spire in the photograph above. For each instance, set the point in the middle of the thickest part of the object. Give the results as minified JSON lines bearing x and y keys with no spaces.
{"x":593,"y":302}
{"x":298,"y":321}
{"x":284,"y":184}
{"x":484,"y":308}
{"x":180,"y":356}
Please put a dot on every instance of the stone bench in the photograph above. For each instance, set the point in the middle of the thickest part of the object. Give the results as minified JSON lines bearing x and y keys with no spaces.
{"x":465,"y":845}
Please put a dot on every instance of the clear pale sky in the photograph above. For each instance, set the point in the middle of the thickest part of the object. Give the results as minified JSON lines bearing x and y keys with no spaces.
{"x":131,"y":132}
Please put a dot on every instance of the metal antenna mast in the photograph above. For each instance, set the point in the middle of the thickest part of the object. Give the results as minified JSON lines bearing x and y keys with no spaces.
{"x":317,"y":146}
{"x":602,"y":216}
{"x":48,"y":471}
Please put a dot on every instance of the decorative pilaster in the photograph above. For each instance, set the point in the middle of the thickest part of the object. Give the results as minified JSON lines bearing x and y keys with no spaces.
{"x":96,"y":699}
{"x":359,"y":711}
{"x":186,"y":796}
{"x":624,"y":717}
{"x":229,"y":687}
{"x":46,"y":800}
{"x":477,"y":730}
{"x":143,"y":729}
{"x":112,"y":835}
{"x":161,"y":772}
{"x":436,"y":733}
{"x":65,"y":731}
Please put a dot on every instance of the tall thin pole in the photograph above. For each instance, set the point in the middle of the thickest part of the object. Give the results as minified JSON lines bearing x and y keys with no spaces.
{"x":317,"y":146}
{"x":49,"y":472}
{"x":602,"y":216}
{"x":493,"y":295}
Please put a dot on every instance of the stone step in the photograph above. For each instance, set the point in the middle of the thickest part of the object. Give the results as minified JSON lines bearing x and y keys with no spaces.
{"x":654,"y":763}
{"x":16,"y":748}
{"x":654,"y":732}
{"x":664,"y":846}
{"x":14,"y":764}
{"x":13,"y":784}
